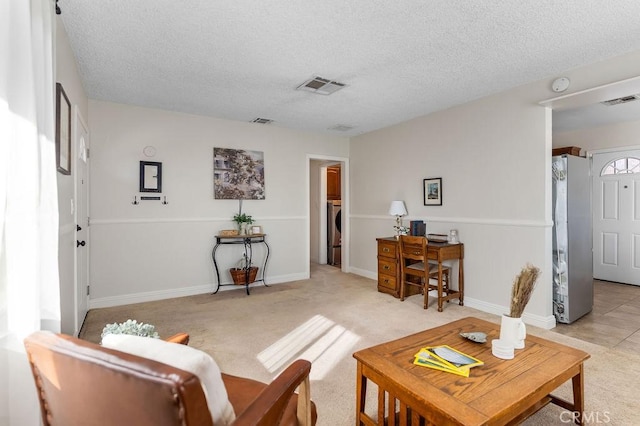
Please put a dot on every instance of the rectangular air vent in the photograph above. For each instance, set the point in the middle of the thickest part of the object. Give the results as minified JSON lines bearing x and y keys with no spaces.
{"x":321,"y":86}
{"x":341,"y":127}
{"x":262,"y":121}
{"x":622,"y":100}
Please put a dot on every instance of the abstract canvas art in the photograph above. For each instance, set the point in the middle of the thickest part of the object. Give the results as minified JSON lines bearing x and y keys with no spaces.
{"x":238,"y":174}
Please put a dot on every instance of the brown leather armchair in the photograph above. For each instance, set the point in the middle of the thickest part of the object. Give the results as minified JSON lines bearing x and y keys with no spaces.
{"x":81,"y":383}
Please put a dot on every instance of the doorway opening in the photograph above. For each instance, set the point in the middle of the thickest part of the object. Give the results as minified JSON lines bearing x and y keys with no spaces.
{"x":328,"y":207}
{"x":612,"y":205}
{"x":334,"y":215}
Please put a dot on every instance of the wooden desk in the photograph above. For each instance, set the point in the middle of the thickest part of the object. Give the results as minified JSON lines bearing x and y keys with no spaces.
{"x":500,"y":392}
{"x":389,"y":266}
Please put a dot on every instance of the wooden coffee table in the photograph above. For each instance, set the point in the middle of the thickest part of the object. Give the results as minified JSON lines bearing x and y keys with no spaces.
{"x":498,"y":393}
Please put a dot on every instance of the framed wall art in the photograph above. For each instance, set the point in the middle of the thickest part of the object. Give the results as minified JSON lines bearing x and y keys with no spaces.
{"x":63,"y":131}
{"x":432,"y":191}
{"x":150,"y":176}
{"x":238,"y":174}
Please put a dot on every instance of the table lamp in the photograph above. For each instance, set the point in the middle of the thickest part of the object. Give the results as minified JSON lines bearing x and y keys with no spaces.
{"x":398,"y":210}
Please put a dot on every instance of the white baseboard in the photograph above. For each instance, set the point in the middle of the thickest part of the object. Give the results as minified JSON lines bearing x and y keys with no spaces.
{"x":150,"y":296}
{"x":288,"y":278}
{"x":546,"y":323}
{"x":536,"y":320}
{"x":127,"y":299}
{"x":364,"y":273}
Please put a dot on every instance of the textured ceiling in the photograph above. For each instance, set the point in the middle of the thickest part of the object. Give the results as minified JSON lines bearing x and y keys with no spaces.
{"x":400,"y":59}
{"x":595,"y":115}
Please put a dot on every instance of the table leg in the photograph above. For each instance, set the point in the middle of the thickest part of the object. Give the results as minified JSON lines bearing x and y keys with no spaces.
{"x":440,"y":288}
{"x":264,"y":265}
{"x":382,"y":406}
{"x":215,"y":266}
{"x":361,"y":393}
{"x":578,"y":395}
{"x":248,"y":252}
{"x":461,"y":280}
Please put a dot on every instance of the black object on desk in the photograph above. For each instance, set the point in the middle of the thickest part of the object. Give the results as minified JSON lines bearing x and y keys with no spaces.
{"x":247,"y":241}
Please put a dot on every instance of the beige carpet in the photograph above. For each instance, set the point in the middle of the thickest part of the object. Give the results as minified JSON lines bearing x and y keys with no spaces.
{"x":326,"y":319}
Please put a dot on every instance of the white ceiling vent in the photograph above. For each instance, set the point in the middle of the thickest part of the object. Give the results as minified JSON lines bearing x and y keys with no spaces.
{"x":321,"y":86}
{"x":341,"y":127}
{"x":262,"y":120}
{"x":622,"y":100}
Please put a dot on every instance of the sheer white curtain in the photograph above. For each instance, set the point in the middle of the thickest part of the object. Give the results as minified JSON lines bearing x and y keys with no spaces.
{"x":29,"y":285}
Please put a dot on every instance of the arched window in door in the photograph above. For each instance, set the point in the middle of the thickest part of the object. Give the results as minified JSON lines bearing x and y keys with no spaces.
{"x":620,"y":166}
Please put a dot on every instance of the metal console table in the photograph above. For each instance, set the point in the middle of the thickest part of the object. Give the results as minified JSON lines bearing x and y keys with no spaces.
{"x":247,"y":241}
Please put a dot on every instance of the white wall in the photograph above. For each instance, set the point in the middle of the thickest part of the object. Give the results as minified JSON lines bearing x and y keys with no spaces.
{"x":149,"y":251}
{"x":493,"y":155}
{"x":601,"y":137}
{"x":67,"y":74}
{"x":315,"y":204}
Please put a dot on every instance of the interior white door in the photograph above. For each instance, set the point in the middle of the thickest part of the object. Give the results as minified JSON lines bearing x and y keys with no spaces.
{"x":616,"y":216}
{"x":82,"y":222}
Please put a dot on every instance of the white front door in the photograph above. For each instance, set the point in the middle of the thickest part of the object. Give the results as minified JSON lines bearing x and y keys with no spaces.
{"x":616,"y":216}
{"x":82,"y":221}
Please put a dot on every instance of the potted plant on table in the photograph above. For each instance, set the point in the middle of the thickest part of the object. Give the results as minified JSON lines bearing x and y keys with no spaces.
{"x":512,"y":328}
{"x":243,"y":220}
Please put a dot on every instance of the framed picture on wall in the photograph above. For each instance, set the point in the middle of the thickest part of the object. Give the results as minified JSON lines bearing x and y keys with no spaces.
{"x":432,"y":191}
{"x":63,"y":131}
{"x":238,"y":174}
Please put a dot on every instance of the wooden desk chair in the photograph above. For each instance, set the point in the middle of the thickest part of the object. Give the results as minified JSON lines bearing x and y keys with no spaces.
{"x":416,"y":270}
{"x":81,"y":383}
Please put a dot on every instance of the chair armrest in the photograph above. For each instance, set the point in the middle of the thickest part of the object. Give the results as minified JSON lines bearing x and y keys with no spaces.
{"x":270,"y":404}
{"x":304,"y":403}
{"x":182,"y":338}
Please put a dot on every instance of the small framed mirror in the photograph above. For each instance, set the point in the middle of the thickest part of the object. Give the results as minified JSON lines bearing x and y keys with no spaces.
{"x":150,"y":176}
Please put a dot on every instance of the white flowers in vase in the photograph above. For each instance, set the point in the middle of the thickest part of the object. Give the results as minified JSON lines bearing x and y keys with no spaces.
{"x":401,"y":230}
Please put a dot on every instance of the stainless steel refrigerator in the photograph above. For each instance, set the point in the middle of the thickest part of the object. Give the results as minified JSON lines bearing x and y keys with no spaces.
{"x":572,"y":238}
{"x":334,"y":232}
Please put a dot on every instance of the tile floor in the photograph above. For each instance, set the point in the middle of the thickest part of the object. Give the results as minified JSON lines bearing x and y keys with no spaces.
{"x":614,"y":321}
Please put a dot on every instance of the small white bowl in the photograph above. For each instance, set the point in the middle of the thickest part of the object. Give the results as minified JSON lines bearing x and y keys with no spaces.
{"x":501,"y":349}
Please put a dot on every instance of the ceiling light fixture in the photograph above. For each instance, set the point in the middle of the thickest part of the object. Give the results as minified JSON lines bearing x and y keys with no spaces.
{"x":321,"y":86}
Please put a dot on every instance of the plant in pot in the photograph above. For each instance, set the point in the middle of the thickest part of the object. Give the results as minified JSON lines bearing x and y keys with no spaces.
{"x":244,"y":272}
{"x":512,"y":329}
{"x":242,"y":220}
{"x":131,"y":327}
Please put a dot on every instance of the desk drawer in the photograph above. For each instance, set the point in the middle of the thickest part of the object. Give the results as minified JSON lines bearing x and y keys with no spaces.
{"x":387,"y":281}
{"x":387,"y":266}
{"x":387,"y":249}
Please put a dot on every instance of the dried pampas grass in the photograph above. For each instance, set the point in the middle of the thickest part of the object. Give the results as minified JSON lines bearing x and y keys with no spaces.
{"x":522,"y":288}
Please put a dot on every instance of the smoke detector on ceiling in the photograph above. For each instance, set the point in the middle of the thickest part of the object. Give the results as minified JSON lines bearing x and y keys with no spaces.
{"x":321,"y":86}
{"x":622,"y":100}
{"x":262,"y":120}
{"x":560,"y":84}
